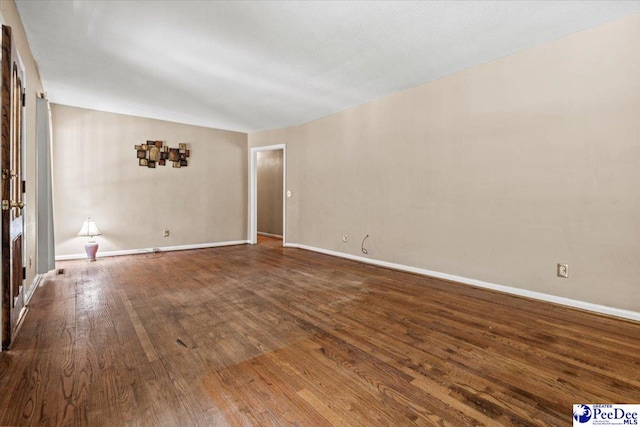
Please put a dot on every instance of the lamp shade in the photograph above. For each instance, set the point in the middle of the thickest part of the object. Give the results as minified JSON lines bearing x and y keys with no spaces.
{"x":89,"y":228}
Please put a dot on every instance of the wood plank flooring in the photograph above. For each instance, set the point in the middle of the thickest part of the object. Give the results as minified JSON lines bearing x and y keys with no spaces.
{"x":273,"y":336}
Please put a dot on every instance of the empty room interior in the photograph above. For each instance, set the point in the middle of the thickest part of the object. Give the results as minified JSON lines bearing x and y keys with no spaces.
{"x":360,"y":213}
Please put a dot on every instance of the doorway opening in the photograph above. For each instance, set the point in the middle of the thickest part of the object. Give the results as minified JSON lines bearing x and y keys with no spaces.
{"x":267,"y":193}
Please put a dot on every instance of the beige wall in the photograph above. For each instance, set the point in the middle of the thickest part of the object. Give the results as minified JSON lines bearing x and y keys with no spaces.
{"x":496,"y":173}
{"x":96,"y":174}
{"x":10,"y":17}
{"x":269,"y":181}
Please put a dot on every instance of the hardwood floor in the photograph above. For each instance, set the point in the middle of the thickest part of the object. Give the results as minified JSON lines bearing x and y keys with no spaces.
{"x":262,"y":335}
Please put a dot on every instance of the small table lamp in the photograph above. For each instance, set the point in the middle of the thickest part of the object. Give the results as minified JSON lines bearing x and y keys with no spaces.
{"x":90,"y":229}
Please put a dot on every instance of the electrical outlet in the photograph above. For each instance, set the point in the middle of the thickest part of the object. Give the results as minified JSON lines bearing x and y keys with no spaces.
{"x":563,"y":270}
{"x":344,"y":237}
{"x":165,"y":233}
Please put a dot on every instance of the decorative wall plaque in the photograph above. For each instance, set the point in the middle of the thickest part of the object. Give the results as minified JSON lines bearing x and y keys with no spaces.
{"x":156,"y":153}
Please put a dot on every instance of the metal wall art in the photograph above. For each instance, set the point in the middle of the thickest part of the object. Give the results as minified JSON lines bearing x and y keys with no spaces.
{"x":156,"y":153}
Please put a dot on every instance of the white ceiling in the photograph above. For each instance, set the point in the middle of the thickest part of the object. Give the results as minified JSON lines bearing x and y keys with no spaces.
{"x":256,"y":65}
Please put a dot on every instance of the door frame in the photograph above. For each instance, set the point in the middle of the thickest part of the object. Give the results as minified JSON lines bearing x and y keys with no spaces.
{"x":252,"y":236}
{"x":23,"y":166}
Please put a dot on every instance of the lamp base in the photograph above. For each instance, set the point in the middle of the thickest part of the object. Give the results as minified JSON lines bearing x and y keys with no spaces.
{"x":91,"y":249}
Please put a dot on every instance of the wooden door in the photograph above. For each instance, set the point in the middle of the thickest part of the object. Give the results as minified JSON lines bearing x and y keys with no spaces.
{"x":12,"y":188}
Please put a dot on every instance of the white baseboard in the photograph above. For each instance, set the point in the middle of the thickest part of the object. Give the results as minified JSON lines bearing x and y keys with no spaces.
{"x":596,"y":308}
{"x":152,"y":250}
{"x":276,"y":236}
{"x":32,"y":288}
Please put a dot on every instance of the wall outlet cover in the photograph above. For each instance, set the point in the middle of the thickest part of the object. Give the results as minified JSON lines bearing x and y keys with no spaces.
{"x":563,"y":271}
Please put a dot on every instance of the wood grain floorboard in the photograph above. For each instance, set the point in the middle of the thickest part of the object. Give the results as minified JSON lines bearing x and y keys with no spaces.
{"x":263,"y":335}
